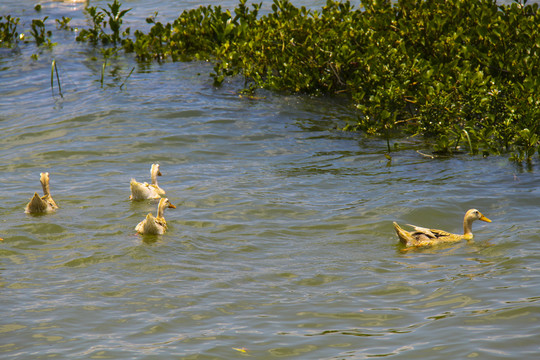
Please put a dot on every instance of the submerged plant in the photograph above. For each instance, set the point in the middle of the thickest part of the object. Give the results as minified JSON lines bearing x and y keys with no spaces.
{"x":8,"y":30}
{"x":127,"y":77}
{"x":40,"y":34}
{"x":64,"y":23}
{"x":54,"y":69}
{"x":92,"y":35}
{"x":107,"y":53}
{"x":526,"y":143}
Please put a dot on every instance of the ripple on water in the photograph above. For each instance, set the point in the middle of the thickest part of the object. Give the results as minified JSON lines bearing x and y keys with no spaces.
{"x":281,"y":243}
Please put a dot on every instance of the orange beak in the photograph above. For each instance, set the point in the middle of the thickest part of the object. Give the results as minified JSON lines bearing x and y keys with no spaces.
{"x":483,"y":218}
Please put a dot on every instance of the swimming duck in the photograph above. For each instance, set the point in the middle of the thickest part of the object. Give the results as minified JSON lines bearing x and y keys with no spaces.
{"x":425,"y":237}
{"x":44,"y":204}
{"x":142,"y":191}
{"x":155,"y":225}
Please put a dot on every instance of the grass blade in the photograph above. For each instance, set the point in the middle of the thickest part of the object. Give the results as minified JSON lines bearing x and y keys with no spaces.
{"x":58,"y":80}
{"x":127,"y":77}
{"x":53,"y":65}
{"x":53,"y":69}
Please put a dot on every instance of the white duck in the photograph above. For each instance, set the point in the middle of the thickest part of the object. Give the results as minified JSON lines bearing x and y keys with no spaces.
{"x":143,"y":191}
{"x":44,"y":204}
{"x":155,"y":225}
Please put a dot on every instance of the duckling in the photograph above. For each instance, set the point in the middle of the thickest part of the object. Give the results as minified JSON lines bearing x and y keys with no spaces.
{"x":155,"y":225}
{"x":142,"y":191}
{"x":425,"y":237}
{"x":44,"y":204}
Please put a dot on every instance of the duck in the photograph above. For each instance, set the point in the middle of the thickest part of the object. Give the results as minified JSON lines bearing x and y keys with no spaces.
{"x":155,"y":225}
{"x":427,"y":237}
{"x":44,"y":204}
{"x":143,"y":191}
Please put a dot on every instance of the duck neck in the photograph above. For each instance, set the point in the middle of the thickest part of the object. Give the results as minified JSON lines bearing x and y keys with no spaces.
{"x":467,"y":228}
{"x":154,"y":174}
{"x":161,"y":209}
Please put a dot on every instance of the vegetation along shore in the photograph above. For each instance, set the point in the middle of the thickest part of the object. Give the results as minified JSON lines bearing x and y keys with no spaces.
{"x":463,"y":74}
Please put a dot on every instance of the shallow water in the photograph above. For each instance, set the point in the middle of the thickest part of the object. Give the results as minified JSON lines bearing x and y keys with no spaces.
{"x":281,"y":245}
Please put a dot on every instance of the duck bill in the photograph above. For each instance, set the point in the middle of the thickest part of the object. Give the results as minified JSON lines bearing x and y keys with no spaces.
{"x":171,"y":206}
{"x":159,"y":173}
{"x":483,"y":218}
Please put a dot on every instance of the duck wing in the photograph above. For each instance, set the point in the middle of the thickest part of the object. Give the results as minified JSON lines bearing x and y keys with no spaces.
{"x":430,"y":233}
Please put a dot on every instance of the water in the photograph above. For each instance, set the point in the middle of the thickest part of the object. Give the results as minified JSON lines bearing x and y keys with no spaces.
{"x":281,"y":246}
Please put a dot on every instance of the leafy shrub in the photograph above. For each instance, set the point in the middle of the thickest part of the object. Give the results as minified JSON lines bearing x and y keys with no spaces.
{"x":461,"y":73}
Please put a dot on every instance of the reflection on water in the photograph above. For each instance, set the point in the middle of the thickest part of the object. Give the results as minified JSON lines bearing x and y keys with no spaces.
{"x":281,"y":245}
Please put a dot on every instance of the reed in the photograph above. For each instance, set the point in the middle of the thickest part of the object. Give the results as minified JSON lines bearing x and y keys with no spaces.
{"x":103,"y":71}
{"x":127,"y":77}
{"x":54,"y":69}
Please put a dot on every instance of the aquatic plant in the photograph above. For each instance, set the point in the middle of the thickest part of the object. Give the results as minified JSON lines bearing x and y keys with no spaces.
{"x":8,"y":30}
{"x":107,"y":53}
{"x":97,"y":33}
{"x":115,"y":21}
{"x":64,"y":23}
{"x":54,"y":69}
{"x":200,"y":34}
{"x":460,"y":73}
{"x":127,"y":77}
{"x":454,"y":71}
{"x":527,"y":143}
{"x":40,"y":34}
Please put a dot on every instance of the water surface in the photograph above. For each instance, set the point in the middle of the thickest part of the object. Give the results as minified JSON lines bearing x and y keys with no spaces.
{"x":281,"y":246}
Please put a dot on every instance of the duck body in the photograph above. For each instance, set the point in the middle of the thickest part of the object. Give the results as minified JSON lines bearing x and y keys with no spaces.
{"x":155,"y":225}
{"x":427,"y":237}
{"x":143,"y":191}
{"x":45,"y":203}
{"x":152,"y":226}
{"x":39,"y":205}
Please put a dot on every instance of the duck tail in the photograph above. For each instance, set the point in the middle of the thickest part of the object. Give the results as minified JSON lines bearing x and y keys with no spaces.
{"x":36,"y":205}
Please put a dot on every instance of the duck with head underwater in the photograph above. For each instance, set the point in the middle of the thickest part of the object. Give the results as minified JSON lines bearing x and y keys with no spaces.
{"x":427,"y":237}
{"x":44,"y":204}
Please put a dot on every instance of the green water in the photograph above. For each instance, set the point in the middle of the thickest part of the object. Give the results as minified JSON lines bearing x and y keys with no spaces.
{"x":281,"y":245}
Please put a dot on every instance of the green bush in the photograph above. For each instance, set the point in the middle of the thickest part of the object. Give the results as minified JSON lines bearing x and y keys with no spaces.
{"x":461,"y":73}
